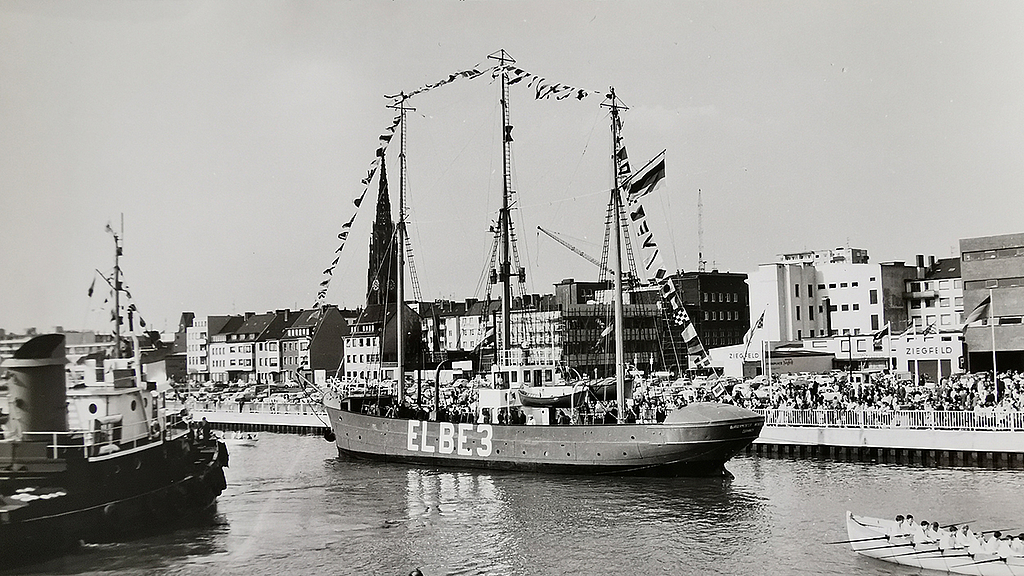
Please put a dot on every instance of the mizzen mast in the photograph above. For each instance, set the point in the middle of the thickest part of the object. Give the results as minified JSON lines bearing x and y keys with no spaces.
{"x":616,"y":200}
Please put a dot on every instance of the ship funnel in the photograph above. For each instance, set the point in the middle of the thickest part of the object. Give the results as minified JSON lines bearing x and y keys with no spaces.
{"x":37,"y":393}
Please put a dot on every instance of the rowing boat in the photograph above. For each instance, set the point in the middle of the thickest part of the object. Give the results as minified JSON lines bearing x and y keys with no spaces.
{"x":868,"y":537}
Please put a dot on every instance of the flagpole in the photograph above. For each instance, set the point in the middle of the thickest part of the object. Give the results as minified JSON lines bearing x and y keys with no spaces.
{"x":888,"y":346}
{"x":992,"y":328}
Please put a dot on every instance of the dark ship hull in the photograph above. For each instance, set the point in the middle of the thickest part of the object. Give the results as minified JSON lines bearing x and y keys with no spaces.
{"x":49,"y":505}
{"x":696,"y":440}
{"x":130,"y":468}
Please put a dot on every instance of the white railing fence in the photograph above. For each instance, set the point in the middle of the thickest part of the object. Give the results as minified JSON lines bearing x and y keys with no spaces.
{"x":906,"y":419}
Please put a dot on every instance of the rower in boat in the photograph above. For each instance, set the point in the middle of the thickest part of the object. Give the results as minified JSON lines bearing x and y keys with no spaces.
{"x":947,"y":539}
{"x":897,"y":528}
{"x":1017,"y":546}
{"x":966,"y":539}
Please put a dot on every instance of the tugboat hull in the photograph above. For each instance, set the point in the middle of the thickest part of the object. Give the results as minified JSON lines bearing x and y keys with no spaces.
{"x":105,"y":498}
{"x":696,"y":441}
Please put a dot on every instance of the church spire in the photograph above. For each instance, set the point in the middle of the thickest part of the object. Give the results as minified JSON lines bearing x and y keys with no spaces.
{"x":381,"y":285}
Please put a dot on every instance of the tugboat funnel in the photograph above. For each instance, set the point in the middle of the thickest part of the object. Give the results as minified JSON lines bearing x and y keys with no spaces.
{"x":37,"y":393}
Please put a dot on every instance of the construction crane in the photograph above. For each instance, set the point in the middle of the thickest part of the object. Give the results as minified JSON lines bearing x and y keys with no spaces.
{"x":630,"y":279}
{"x":578,"y":252}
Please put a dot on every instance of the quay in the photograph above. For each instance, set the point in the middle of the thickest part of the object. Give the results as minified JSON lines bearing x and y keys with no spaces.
{"x":908,"y":437}
{"x":301,"y":418}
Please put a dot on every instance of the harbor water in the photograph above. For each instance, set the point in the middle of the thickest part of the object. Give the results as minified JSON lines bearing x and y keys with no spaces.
{"x":292,"y":506}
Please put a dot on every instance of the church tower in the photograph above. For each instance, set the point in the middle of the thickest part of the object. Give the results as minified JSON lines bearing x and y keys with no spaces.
{"x":381,"y":282}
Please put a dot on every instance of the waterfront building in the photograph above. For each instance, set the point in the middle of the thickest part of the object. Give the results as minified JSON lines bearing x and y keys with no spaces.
{"x":313,"y":340}
{"x":993,"y":267}
{"x":224,"y":355}
{"x":809,"y":295}
{"x":587,"y":332}
{"x":718,"y":304}
{"x":935,"y":300}
{"x":370,"y":348}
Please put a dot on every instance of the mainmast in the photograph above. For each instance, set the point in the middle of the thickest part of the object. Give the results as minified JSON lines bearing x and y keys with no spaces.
{"x":504,"y":218}
{"x":400,"y":248}
{"x":117,"y":286}
{"x":616,"y":200}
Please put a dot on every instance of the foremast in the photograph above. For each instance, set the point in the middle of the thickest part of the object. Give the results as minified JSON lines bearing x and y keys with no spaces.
{"x":400,"y":249}
{"x":504,"y":216}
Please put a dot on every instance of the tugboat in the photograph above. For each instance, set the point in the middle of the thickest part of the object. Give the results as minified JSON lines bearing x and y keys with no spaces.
{"x":90,"y":452}
{"x":692,"y":440}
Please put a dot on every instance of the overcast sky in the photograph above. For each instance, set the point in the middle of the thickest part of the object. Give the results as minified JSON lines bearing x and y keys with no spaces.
{"x":233,"y":136}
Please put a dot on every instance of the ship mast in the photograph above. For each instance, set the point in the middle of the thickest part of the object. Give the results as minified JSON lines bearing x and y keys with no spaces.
{"x":504,"y":218}
{"x":117,"y":286}
{"x":620,"y":369}
{"x":400,"y":260}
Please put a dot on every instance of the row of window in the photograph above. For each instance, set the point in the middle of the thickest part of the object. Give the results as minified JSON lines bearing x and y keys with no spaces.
{"x":1011,"y":282}
{"x":935,"y":285}
{"x":362,"y":358}
{"x":722,"y":315}
{"x":943,"y":303}
{"x":721,"y":297}
{"x":241,"y":363}
{"x":361,"y":342}
{"x":992,"y":254}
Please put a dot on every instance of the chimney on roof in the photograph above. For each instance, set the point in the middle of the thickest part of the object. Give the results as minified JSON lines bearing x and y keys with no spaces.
{"x":920,"y":260}
{"x":931,"y":261}
{"x":248,"y":315}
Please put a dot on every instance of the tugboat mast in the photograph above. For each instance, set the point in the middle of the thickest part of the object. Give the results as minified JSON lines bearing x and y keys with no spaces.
{"x":117,"y":287}
{"x":504,"y":218}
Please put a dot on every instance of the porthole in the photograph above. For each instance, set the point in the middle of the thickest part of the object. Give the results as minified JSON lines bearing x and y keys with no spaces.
{"x":134,"y":405}
{"x":145,"y":402}
{"x":93,"y":408}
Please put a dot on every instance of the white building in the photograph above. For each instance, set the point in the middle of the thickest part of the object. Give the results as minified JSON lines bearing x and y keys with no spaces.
{"x":811,"y":296}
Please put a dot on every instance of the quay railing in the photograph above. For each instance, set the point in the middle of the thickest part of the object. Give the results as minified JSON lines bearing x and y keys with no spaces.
{"x":281,"y":408}
{"x":900,"y":419}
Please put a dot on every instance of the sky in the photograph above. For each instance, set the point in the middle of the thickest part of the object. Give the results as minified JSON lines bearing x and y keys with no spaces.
{"x":232,"y":136}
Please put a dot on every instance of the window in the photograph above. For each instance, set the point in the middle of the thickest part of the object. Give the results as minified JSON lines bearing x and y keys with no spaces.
{"x":931,"y":319}
{"x":915,"y":286}
{"x":842,"y":284}
{"x":812,"y":333}
{"x":799,"y":336}
{"x":856,"y":306}
{"x":930,"y":303}
{"x":810,"y":316}
{"x":796,"y":287}
{"x":844,"y":345}
{"x":862,"y":346}
{"x":958,"y":302}
{"x":854,"y":284}
{"x":821,"y":286}
{"x":846,"y":307}
{"x":943,"y":284}
{"x":797,"y":312}
{"x":915,"y":304}
{"x":957,"y":284}
{"x":705,"y":296}
{"x":944,"y":302}
{"x":874,"y":321}
{"x":810,"y":290}
{"x":832,"y":285}
{"x":872,"y":279}
{"x":873,"y":296}
{"x":947,"y":319}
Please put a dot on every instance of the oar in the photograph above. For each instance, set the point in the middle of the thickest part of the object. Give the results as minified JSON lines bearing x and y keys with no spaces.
{"x":997,"y":559}
{"x":886,"y":546}
{"x":858,"y":540}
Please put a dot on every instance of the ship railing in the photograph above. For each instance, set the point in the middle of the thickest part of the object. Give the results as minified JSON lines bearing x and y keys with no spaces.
{"x":93,"y":442}
{"x":908,"y":419}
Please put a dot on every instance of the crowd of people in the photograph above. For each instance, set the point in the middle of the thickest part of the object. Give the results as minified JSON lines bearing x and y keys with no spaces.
{"x":906,"y":529}
{"x":835,"y":391}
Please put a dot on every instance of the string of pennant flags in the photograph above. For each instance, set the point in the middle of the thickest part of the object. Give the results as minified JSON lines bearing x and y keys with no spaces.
{"x":543,"y":90}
